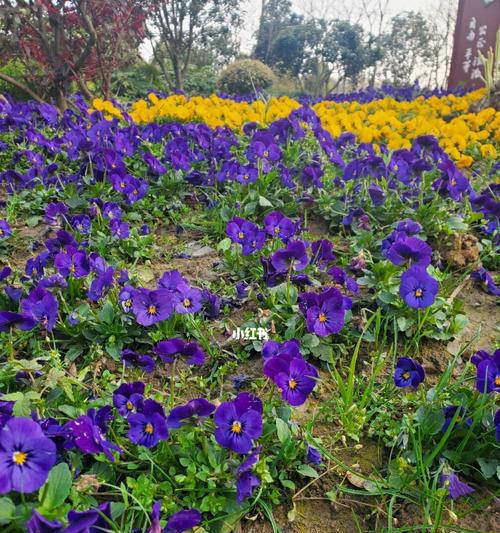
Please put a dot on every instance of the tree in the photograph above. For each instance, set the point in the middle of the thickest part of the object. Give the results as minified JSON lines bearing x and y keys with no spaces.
{"x":293,"y":46}
{"x":69,"y":41}
{"x":344,"y":52}
{"x":406,"y":47}
{"x":276,"y":16}
{"x":184,"y":26}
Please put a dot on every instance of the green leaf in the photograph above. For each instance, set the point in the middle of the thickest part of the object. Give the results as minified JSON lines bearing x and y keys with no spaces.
{"x":7,"y":509}
{"x":58,"y":487}
{"x":250,"y":208}
{"x":283,"y":430}
{"x":488,"y":467}
{"x":33,"y":221}
{"x":287,"y":483}
{"x":307,"y":470}
{"x":224,"y":245}
{"x":309,"y":340}
{"x":107,"y":313}
{"x":264,"y":202}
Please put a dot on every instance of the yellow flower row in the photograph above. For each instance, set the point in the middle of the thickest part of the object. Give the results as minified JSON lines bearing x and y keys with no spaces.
{"x":381,"y":121}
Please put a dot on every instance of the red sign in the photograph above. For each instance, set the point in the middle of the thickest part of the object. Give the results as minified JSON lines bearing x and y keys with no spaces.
{"x":477,"y":24}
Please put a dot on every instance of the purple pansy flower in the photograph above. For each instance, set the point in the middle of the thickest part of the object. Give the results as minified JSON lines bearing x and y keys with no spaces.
{"x":26,"y":456}
{"x":246,"y":480}
{"x":42,"y":306}
{"x":54,"y":212}
{"x":488,"y":373}
{"x":101,"y":284}
{"x":292,"y":257}
{"x":340,"y":277}
{"x":191,"y":352}
{"x":5,"y":230}
{"x":241,"y":290}
{"x":76,"y":264}
{"x":449,"y":413}
{"x":39,"y":524}
{"x":313,"y":456}
{"x":408,"y":226}
{"x":239,"y":423}
{"x":456,"y":488}
{"x":93,"y":520}
{"x":144,"y":362}
{"x":177,"y":523}
{"x":278,"y":225}
{"x":324,"y":312}
{"x":293,"y":376}
{"x":9,"y":319}
{"x":87,"y":435}
{"x":408,"y":373}
{"x":151,"y":306}
{"x":148,"y":426}
{"x":81,"y":223}
{"x":290,"y":348}
{"x":119,"y":229}
{"x":112,"y":211}
{"x":199,"y":408}
{"x":125,"y":297}
{"x":183,"y":521}
{"x":5,"y":272}
{"x":322,"y":252}
{"x":189,"y":299}
{"x":484,"y":278}
{"x":377,"y":194}
{"x":410,"y":249}
{"x":246,"y":233}
{"x":417,"y":288}
{"x":128,"y":397}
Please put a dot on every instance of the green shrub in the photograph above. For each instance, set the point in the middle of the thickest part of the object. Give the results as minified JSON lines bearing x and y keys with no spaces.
{"x":15,"y":70}
{"x":200,"y":80}
{"x":244,"y":76}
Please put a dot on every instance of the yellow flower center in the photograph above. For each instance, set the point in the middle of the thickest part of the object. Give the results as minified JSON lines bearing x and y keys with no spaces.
{"x":246,"y":177}
{"x":72,"y":269}
{"x":148,"y":429}
{"x":19,"y":458}
{"x":322,"y":317}
{"x":187,"y":302}
{"x":497,"y":381}
{"x":292,"y":384}
{"x":130,"y":406}
{"x":418,"y":293}
{"x":266,"y":153}
{"x":406,"y":375}
{"x":152,"y":310}
{"x":1,"y":231}
{"x":453,"y":182}
{"x":128,"y":303}
{"x":241,"y":235}
{"x":236,"y":427}
{"x":277,"y":230}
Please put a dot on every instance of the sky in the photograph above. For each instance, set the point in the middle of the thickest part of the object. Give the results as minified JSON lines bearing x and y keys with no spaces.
{"x":253,"y":7}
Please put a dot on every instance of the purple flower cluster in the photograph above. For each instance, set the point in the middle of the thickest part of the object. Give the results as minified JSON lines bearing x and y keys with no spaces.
{"x":294,"y":377}
{"x":324,"y":311}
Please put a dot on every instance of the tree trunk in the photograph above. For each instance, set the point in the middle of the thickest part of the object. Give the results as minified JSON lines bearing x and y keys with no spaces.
{"x":179,"y":80}
{"x":23,"y":88}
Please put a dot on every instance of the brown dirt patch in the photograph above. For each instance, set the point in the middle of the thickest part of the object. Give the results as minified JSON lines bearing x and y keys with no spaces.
{"x":482,"y":310}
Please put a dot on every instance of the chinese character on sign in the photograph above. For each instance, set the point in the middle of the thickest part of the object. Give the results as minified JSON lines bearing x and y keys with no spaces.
{"x":475,"y":74}
{"x":250,"y":334}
